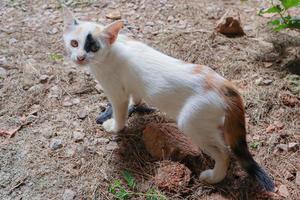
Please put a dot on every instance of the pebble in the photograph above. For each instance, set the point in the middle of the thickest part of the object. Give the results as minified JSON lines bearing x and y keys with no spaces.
{"x":69,"y":194}
{"x":293,"y":146}
{"x":55,"y":92}
{"x":111,"y":146}
{"x":283,"y":191}
{"x":99,"y":88}
{"x":3,"y":72}
{"x":282,"y":147}
{"x":43,"y":78}
{"x":115,"y":14}
{"x":12,"y":41}
{"x":56,"y":144}
{"x":82,"y":114}
{"x":78,"y":136}
{"x":101,"y":141}
{"x":267,"y":82}
{"x":36,"y":89}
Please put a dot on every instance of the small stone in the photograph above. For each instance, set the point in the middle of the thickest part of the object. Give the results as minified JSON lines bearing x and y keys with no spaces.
{"x":115,"y":14}
{"x":55,"y":92}
{"x":267,"y":82}
{"x":150,"y":24}
{"x":282,"y":147}
{"x":293,"y":146}
{"x":69,"y":194}
{"x":283,"y":191}
{"x":3,"y":73}
{"x":43,"y":78}
{"x":76,"y":101}
{"x":36,"y":89}
{"x":52,"y":31}
{"x":101,"y":141}
{"x":78,"y":136}
{"x":170,"y":18}
{"x":111,"y":146}
{"x":56,"y":144}
{"x":82,"y":114}
{"x":259,"y":81}
{"x":297,"y":178}
{"x":99,"y":88}
{"x":67,"y":103}
{"x":12,"y":41}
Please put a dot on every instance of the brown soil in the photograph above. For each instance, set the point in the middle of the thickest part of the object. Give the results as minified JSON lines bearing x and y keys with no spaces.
{"x":49,"y":111}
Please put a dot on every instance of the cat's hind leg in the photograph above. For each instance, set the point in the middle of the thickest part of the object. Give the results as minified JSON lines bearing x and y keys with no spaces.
{"x":200,"y":119}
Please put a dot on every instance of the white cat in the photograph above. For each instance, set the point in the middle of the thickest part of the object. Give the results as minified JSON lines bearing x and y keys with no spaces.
{"x":206,"y":106}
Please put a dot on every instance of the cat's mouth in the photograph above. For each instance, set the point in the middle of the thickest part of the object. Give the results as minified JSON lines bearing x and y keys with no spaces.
{"x":81,"y":62}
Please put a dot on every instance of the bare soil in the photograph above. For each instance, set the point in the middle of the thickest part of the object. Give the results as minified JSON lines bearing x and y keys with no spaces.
{"x":49,"y":111}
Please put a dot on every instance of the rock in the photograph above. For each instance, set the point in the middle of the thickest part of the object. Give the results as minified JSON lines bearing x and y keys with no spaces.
{"x":111,"y":146}
{"x":101,"y":141}
{"x":12,"y":41}
{"x":230,"y":25}
{"x":293,"y":146}
{"x":44,"y":78}
{"x":52,"y":31}
{"x":115,"y":14}
{"x":3,"y":73}
{"x":170,"y":18}
{"x":165,"y":141}
{"x":78,"y":136}
{"x":259,"y":81}
{"x":282,"y":147}
{"x":99,"y":88}
{"x":56,"y":144}
{"x":283,"y":191}
{"x":82,"y":114}
{"x":76,"y":101}
{"x":267,"y":81}
{"x":70,"y":102}
{"x":69,"y":194}
{"x":36,"y":89}
{"x":55,"y":92}
{"x":172,"y":177}
{"x":297,"y":180}
{"x":150,"y":24}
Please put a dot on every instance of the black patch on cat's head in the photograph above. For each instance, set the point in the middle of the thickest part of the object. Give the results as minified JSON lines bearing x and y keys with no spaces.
{"x":91,"y":45}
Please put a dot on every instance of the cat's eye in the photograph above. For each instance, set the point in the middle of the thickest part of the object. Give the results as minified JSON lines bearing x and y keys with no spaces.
{"x":74,"y":43}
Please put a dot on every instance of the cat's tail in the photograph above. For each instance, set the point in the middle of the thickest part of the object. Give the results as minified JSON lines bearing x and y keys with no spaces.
{"x":235,"y":136}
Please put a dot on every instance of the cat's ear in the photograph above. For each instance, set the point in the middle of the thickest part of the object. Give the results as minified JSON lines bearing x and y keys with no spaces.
{"x":69,"y":19}
{"x":112,"y":30}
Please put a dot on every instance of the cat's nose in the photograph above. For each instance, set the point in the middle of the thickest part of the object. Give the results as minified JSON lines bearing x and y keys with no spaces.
{"x":81,"y":58}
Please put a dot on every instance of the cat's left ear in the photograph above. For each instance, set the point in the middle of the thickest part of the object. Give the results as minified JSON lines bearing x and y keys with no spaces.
{"x":69,"y":19}
{"x":112,"y":30}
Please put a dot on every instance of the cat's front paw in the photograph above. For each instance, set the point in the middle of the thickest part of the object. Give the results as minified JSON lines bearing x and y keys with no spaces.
{"x":111,"y":127}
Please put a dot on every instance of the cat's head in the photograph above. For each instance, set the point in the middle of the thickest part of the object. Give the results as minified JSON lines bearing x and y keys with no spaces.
{"x":85,"y":40}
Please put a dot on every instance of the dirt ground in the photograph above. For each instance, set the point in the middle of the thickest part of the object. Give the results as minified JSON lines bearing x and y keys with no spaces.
{"x":60,"y":152}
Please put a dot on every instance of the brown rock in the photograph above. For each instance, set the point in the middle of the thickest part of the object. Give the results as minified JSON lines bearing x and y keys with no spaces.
{"x":230,"y":25}
{"x":172,"y":177}
{"x":165,"y":141}
{"x":115,"y":14}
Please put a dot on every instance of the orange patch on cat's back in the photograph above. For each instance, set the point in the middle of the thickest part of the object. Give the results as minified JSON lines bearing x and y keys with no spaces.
{"x":198,"y":69}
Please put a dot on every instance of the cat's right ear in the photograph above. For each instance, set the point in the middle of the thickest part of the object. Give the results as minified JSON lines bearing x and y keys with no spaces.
{"x":69,"y":20}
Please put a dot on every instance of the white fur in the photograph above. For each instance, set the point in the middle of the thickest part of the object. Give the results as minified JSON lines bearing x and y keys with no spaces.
{"x":128,"y":68}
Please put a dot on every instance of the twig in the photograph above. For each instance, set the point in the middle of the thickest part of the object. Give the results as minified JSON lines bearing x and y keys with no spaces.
{"x":19,"y":184}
